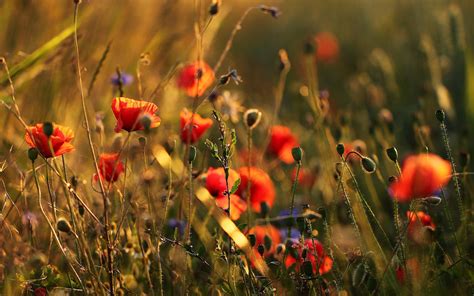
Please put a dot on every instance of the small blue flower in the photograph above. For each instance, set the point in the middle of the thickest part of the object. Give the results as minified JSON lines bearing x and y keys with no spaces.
{"x":294,"y":233}
{"x":125,"y":78}
{"x":175,"y":223}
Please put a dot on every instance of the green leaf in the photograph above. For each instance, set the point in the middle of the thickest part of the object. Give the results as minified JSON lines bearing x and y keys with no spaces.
{"x":235,"y":186}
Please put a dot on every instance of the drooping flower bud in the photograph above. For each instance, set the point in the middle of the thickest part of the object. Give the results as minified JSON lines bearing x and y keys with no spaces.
{"x":392,"y":153}
{"x":368,"y":164}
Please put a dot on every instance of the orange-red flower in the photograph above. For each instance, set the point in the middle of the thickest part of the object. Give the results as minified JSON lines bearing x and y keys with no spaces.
{"x":129,"y":114}
{"x":57,"y":144}
{"x":422,"y":175}
{"x":306,"y":177}
{"x":260,"y":231}
{"x":315,"y":254}
{"x":282,"y":141}
{"x":110,"y":167}
{"x":195,"y":78}
{"x":200,"y":126}
{"x":327,"y":47}
{"x":215,"y":184}
{"x":420,"y":225}
{"x":261,"y":187}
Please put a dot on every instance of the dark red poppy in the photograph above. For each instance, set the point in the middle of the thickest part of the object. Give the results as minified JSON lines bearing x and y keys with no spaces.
{"x":260,"y":231}
{"x":200,"y":126}
{"x":57,"y":144}
{"x":129,"y":114}
{"x":422,"y":175}
{"x":315,"y":254}
{"x":327,"y":47}
{"x":41,"y":291}
{"x":282,"y":141}
{"x":110,"y":167}
{"x":195,"y":78}
{"x":261,"y":187}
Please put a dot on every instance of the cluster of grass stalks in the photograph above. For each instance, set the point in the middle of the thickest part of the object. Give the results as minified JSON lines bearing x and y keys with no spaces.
{"x":345,"y":171}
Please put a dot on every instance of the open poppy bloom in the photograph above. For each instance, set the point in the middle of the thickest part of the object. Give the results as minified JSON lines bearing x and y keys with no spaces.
{"x":261,"y":187}
{"x":200,"y":126}
{"x":422,"y":175}
{"x":420,"y":227}
{"x":215,"y":184}
{"x":110,"y":167}
{"x":327,"y":47}
{"x":195,"y":78}
{"x":315,"y":254}
{"x":260,"y":231}
{"x":57,"y":144}
{"x":306,"y":177}
{"x":282,"y":141}
{"x":129,"y":114}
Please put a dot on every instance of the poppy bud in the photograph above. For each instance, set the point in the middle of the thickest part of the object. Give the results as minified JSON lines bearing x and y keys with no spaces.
{"x":432,"y":200}
{"x":392,"y":153}
{"x":192,"y":154}
{"x":142,"y":141}
{"x":214,"y":8}
{"x":368,"y":165}
{"x":280,"y":249}
{"x":48,"y":129}
{"x":145,"y":120}
{"x":261,"y":249}
{"x":252,"y":239}
{"x":64,"y":226}
{"x":32,"y":154}
{"x":81,"y":210}
{"x":440,"y":115}
{"x":267,"y":242}
{"x":340,"y":149}
{"x":252,"y":118}
{"x":297,"y":153}
{"x":307,"y":268}
{"x":264,"y":209}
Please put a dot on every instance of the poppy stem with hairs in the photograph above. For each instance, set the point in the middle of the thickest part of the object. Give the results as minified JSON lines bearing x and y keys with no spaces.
{"x":249,"y":162}
{"x":293,"y":193}
{"x":91,"y":146}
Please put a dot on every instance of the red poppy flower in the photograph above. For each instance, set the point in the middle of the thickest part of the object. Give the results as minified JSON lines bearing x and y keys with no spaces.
{"x":110,"y":167}
{"x":315,"y":254}
{"x":57,"y":144}
{"x":129,"y":113}
{"x":200,"y":125}
{"x":420,"y":227}
{"x":327,"y":47}
{"x":261,"y":187}
{"x":306,"y":178}
{"x":422,"y":175}
{"x":195,"y":78}
{"x":237,"y":205}
{"x":260,"y":231}
{"x":414,"y":268}
{"x":282,"y":141}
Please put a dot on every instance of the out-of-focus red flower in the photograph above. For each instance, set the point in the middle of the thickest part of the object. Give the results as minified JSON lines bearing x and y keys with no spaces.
{"x":261,"y":187}
{"x":422,"y":175}
{"x":41,"y":291}
{"x":306,"y":177}
{"x":327,"y":47}
{"x":129,"y":114}
{"x":315,"y":254}
{"x":413,"y":266}
{"x":282,"y":141}
{"x":254,"y":156}
{"x":420,"y":226}
{"x":200,"y":125}
{"x":215,"y":184}
{"x":195,"y":78}
{"x":260,"y":231}
{"x":58,"y":143}
{"x":110,"y":167}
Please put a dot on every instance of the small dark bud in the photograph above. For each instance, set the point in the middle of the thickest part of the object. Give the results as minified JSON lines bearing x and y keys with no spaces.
{"x":192,"y":154}
{"x":48,"y":129}
{"x":309,"y":47}
{"x":214,"y":8}
{"x":142,"y":141}
{"x":81,"y":210}
{"x":77,"y":2}
{"x":145,"y":120}
{"x":213,"y":96}
{"x":297,"y":153}
{"x":307,"y":268}
{"x":32,"y":154}
{"x":464,"y":159}
{"x":252,"y":239}
{"x":252,"y":118}
{"x":432,"y":200}
{"x":340,"y":149}
{"x":280,"y":249}
{"x":267,"y":241}
{"x":261,"y":249}
{"x":440,"y":115}
{"x":368,"y":165}
{"x":265,"y":209}
{"x":392,"y":153}
{"x":64,"y":226}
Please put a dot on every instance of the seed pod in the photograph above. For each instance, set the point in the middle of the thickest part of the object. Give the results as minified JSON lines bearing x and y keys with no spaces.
{"x":392,"y":153}
{"x":32,"y":154}
{"x":297,"y":153}
{"x":48,"y":129}
{"x":340,"y":149}
{"x":368,"y":165}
